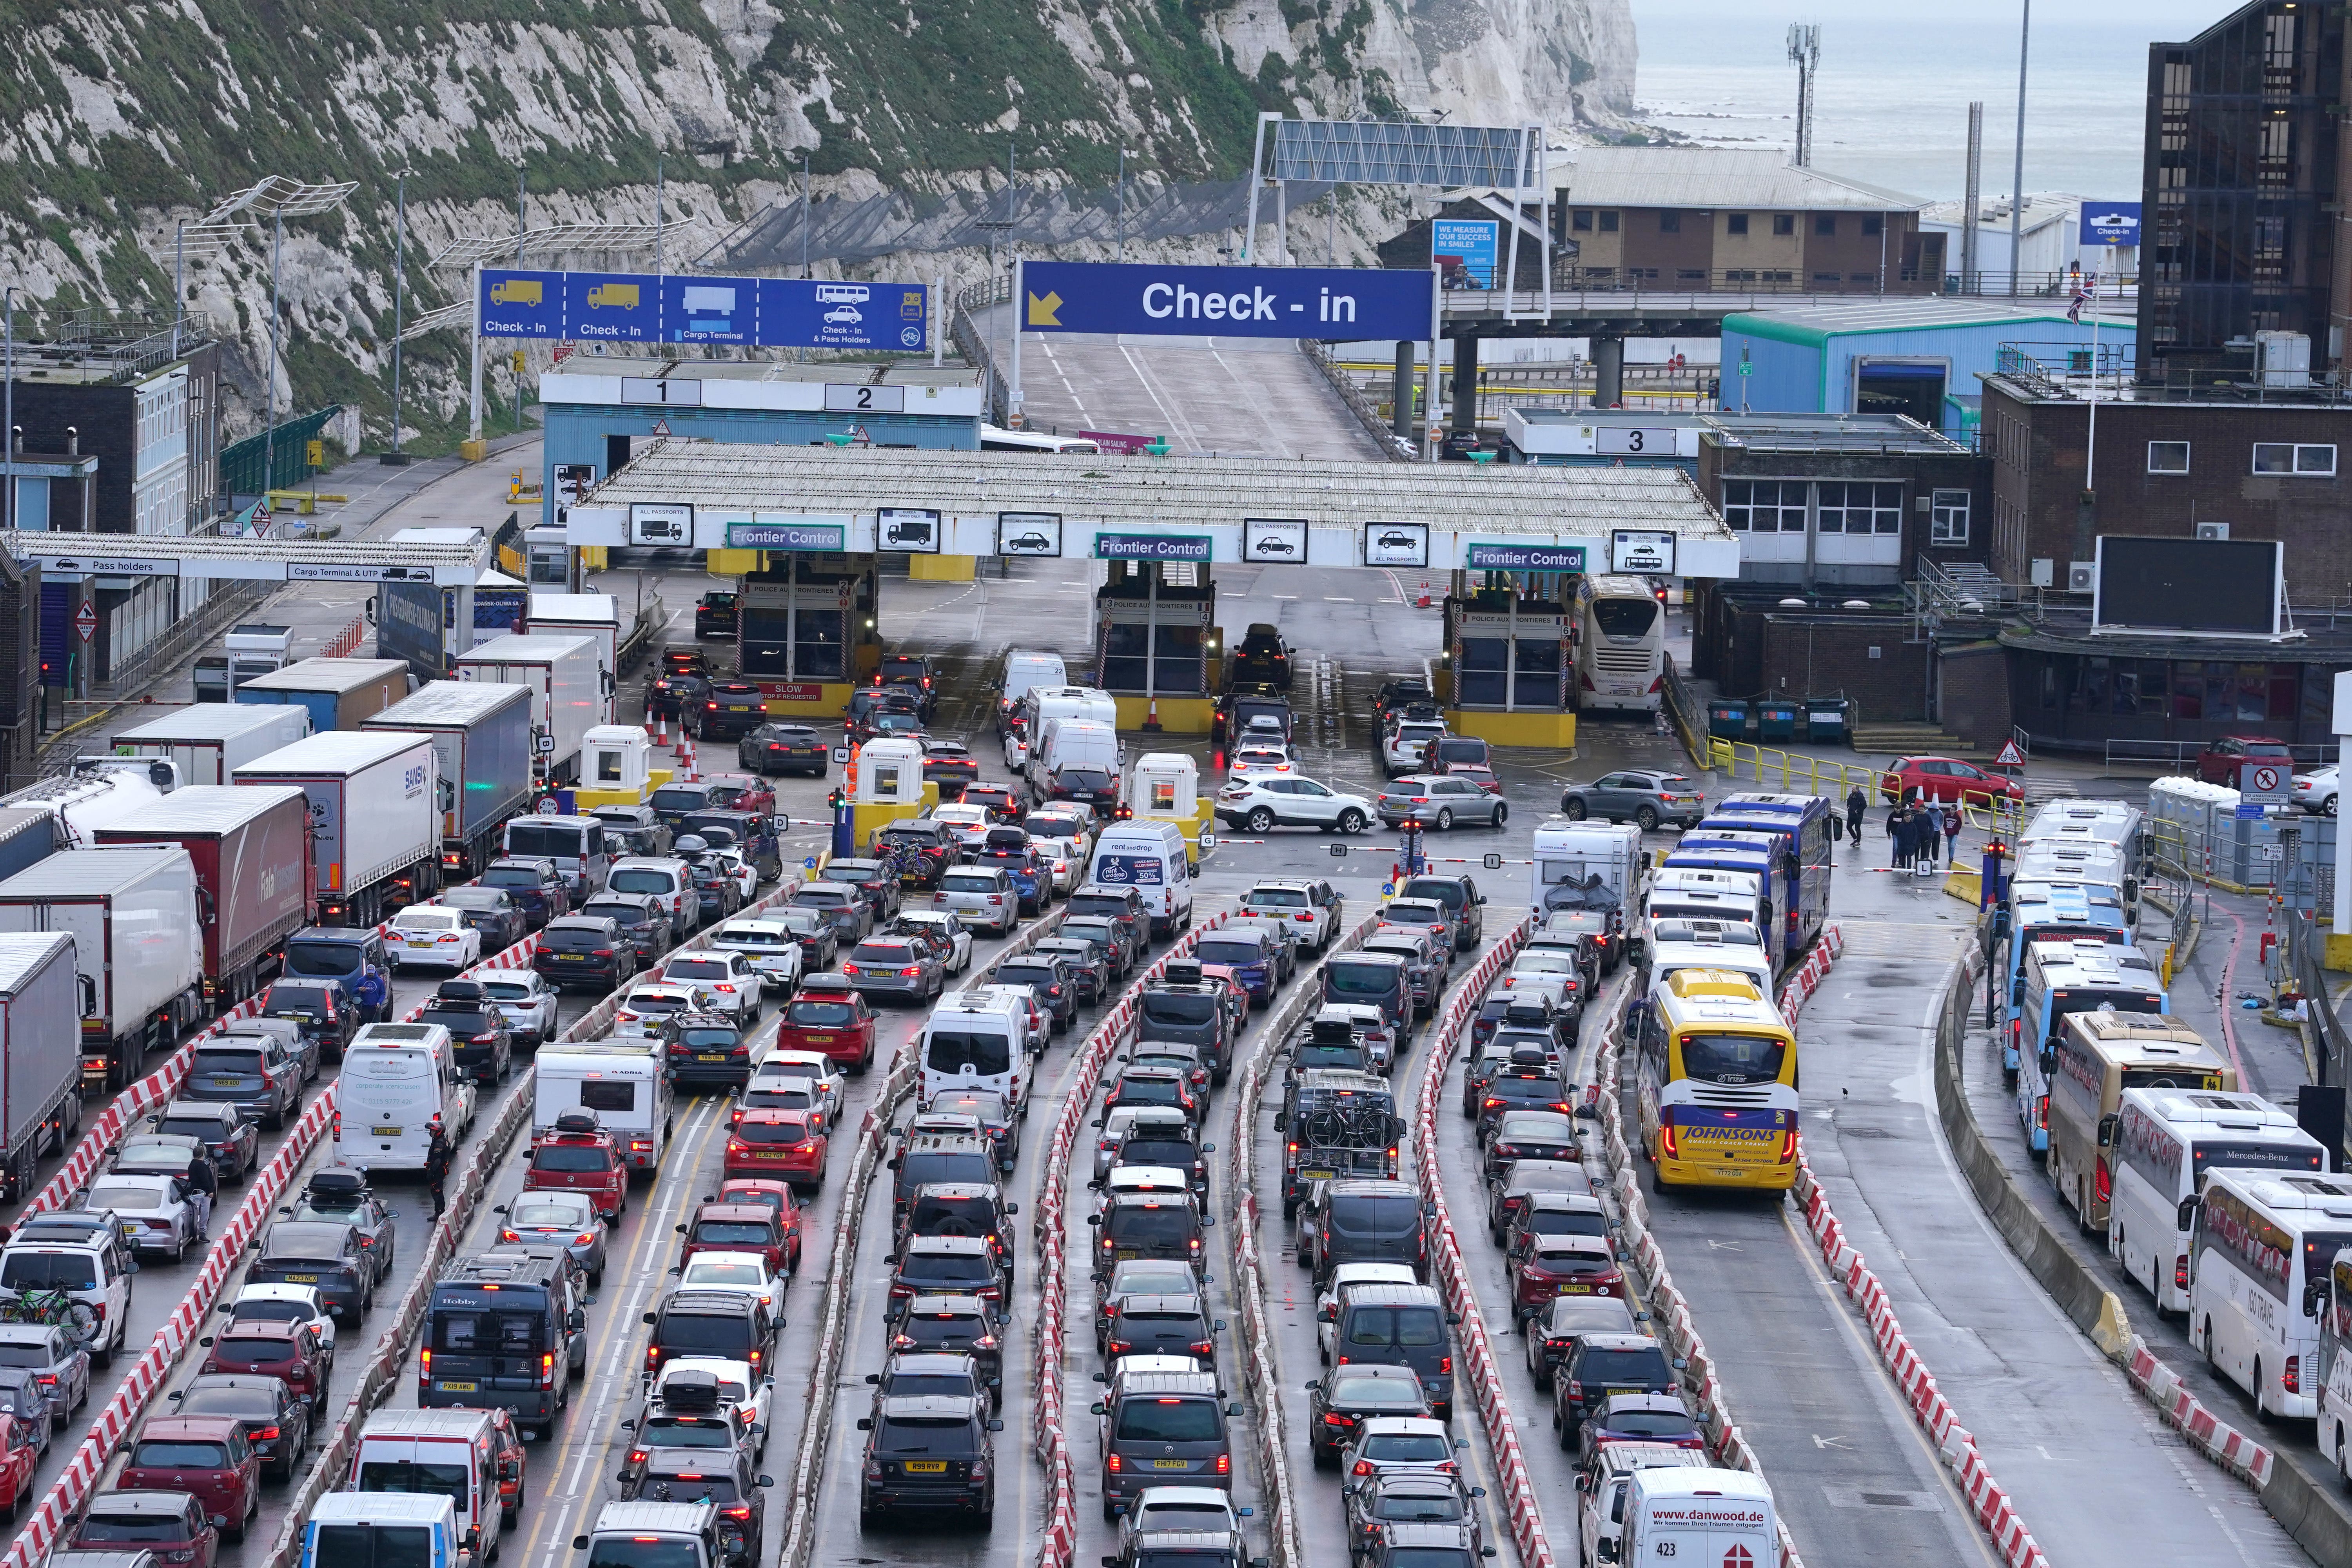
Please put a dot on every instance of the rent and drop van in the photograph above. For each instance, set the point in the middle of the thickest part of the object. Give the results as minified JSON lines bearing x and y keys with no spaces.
{"x":462,"y":1455}
{"x":1149,"y":856}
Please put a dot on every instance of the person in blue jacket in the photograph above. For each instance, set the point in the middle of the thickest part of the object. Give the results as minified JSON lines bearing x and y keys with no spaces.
{"x":373,"y":993}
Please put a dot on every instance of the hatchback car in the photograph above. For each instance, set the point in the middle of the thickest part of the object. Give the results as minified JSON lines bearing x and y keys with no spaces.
{"x":944,"y":1266}
{"x":1394,"y":1497}
{"x":1648,"y":797}
{"x":784,"y":1145}
{"x":715,"y":615}
{"x":2222,"y":757}
{"x":847,"y":908}
{"x":173,"y":1525}
{"x":532,"y":881}
{"x":895,"y":966}
{"x":48,"y":1350}
{"x":1177,"y":1325}
{"x":563,"y":1219}
{"x":1949,"y":779}
{"x":1528,"y":1135}
{"x":1389,"y":1444}
{"x":1553,"y":1331}
{"x":275,"y":1414}
{"x":1352,"y":1392}
{"x":322,"y":1010}
{"x":962,"y":1325}
{"x":254,"y":1073}
{"x":577,"y":1155}
{"x":724,"y":1225}
{"x":491,"y":911}
{"x":1156,"y":1426}
{"x":27,"y":1401}
{"x":207,"y":1457}
{"x":1440,"y":801}
{"x":323,"y":1253}
{"x":980,"y":896}
{"x":830,"y":1019}
{"x":1638,"y":1419}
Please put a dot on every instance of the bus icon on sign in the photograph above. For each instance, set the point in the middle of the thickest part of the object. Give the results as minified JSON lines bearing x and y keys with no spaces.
{"x":842,"y":293}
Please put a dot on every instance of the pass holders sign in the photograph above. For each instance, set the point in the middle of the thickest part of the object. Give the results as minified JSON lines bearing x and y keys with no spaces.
{"x":1029,"y":533}
{"x":1640,"y":550}
{"x":1396,"y":544}
{"x":912,"y":528}
{"x":1523,"y":557}
{"x":1464,"y":251}
{"x":769,"y":533}
{"x":1151,"y":547}
{"x":1279,"y":539}
{"x":1169,"y":300}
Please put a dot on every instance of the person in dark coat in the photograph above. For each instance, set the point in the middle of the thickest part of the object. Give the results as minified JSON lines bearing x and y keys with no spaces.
{"x":1905,"y":841}
{"x":1952,"y":836}
{"x":436,"y":1165}
{"x":1856,"y":803}
{"x":1931,"y":832}
{"x":203,"y":1182}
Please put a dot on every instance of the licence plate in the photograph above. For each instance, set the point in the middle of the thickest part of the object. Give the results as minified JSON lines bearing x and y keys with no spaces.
{"x":818,"y":1039}
{"x":711,"y":1057}
{"x":1613,"y":1392}
{"x":457,"y":1388}
{"x":225,"y":1083}
{"x":1126,"y":1256}
{"x":925,"y":1467}
{"x":302,"y":1278}
{"x":420,"y":941}
{"x":384,"y":1132}
{"x":572,"y":957}
{"x":1316,"y":1175}
{"x":1171,"y":1464}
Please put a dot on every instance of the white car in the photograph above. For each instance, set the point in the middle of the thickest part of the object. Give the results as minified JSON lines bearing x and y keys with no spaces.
{"x":1402,"y":747}
{"x":432,"y":934}
{"x":652,"y":1000}
{"x":737,"y":1386}
{"x":528,"y":1001}
{"x":1065,"y":860}
{"x":1262,"y":803}
{"x":970,"y":824}
{"x":743,"y":1273}
{"x":771,"y":947}
{"x":722,"y":977}
{"x":1327,"y":1302}
{"x":781,"y":1088}
{"x":1260,"y":760}
{"x":1310,"y":904}
{"x":958,"y":935}
{"x":156,"y":1212}
{"x":2316,"y":791}
{"x":1207,"y":1508}
{"x":286,"y":1304}
{"x":814,"y":1066}
{"x":843,"y":316}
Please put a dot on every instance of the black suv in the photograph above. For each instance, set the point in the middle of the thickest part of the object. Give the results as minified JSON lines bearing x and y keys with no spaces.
{"x":1601,"y":1365}
{"x":954,"y":1325}
{"x":724,"y":1481}
{"x":587,"y":950}
{"x":911,"y":673}
{"x":1049,"y":976}
{"x":1461,"y":900}
{"x":1162,"y":1325}
{"x":478,"y":1029}
{"x":944,"y":1266}
{"x":963,"y":1209}
{"x":1149,"y":1224}
{"x":715,"y":615}
{"x":531,"y":882}
{"x":929,"y":1452}
{"x":711,"y":1323}
{"x":1124,"y":905}
{"x":733,"y":709}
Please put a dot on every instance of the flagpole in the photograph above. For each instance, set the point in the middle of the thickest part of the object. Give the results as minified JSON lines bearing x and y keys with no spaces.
{"x":2091,"y":443}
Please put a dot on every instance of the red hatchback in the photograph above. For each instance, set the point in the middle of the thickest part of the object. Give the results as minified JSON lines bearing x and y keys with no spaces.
{"x":171,"y":1525}
{"x":18,"y":1459}
{"x":2222,"y":757}
{"x":1947,"y":779}
{"x":204,"y":1455}
{"x":579,"y":1156}
{"x":720,"y":1225}
{"x":290,"y":1353}
{"x":782,"y":1145}
{"x":1563,"y":1266}
{"x":830,"y":1019}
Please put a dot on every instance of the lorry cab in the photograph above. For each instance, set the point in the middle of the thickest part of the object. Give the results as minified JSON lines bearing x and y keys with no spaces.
{"x":377,"y":1530}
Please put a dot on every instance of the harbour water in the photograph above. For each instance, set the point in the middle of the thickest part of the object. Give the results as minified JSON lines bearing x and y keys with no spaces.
{"x":1890,"y":103}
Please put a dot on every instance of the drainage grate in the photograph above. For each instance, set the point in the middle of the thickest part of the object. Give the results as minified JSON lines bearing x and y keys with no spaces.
{"x":1855,"y":1497}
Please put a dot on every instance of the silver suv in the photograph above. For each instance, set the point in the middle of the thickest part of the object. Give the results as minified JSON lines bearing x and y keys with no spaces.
{"x":980,"y":896}
{"x":1310,"y":903}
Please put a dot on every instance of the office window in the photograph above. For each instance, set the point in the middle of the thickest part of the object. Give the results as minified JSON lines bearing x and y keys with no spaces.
{"x":1690,"y":274}
{"x":1764,"y":506}
{"x":1827,"y":279}
{"x":1735,"y":223}
{"x":1609,"y":223}
{"x":1582,"y":220}
{"x":1825,"y":225}
{"x":2172,"y":456}
{"x":1857,"y":506}
{"x":1949,"y":513}
{"x":1784,"y":223}
{"x":2281,"y":457}
{"x":1670,"y":222}
{"x":1870,"y":226}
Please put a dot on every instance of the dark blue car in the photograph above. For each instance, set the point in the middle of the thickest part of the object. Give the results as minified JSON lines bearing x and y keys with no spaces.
{"x":1030,"y":880}
{"x":1244,"y":952}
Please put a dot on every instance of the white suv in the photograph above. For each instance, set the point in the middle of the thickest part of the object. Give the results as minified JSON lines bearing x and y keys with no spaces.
{"x":1260,"y":802}
{"x":722,"y":977}
{"x":774,"y":951}
{"x":1310,"y":902}
{"x":83,"y":1253}
{"x":1406,"y":743}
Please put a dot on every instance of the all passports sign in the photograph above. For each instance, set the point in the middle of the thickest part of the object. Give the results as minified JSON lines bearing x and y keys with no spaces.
{"x":1226,"y":301}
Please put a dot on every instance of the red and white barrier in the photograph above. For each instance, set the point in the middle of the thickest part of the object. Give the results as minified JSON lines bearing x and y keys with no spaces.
{"x":2220,"y":1441}
{"x":345,"y":641}
{"x":1480,"y":1368}
{"x":1061,"y":1542}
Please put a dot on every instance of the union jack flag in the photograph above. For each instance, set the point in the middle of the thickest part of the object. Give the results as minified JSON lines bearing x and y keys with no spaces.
{"x":2086,"y":289}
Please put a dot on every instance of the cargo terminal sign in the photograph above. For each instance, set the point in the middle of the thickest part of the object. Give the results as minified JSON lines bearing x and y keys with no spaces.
{"x":666,"y":308}
{"x":1335,"y":303}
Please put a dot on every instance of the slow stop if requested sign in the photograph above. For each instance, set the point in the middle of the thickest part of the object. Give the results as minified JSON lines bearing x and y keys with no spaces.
{"x":2263,"y":781}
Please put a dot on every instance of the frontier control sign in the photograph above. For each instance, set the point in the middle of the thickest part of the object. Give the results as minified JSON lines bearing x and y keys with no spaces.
{"x":1226,"y":301}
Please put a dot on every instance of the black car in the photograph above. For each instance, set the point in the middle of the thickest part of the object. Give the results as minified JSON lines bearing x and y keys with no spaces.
{"x":1395,"y":696}
{"x":783,"y":748}
{"x":869,"y":704}
{"x":275,"y":1419}
{"x":964,"y":1324}
{"x":720,"y":1477}
{"x":1049,"y":976}
{"x":585,"y":950}
{"x":493,"y":911}
{"x":641,"y":919}
{"x":944,"y":1266}
{"x":1352,"y":1392}
{"x":478,"y":1029}
{"x":1601,"y":1365}
{"x":339,"y":1195}
{"x":1088,"y":961}
{"x":1164,"y":1325}
{"x":875,"y":880}
{"x":323,"y":1009}
{"x":710,"y":1049}
{"x":324,"y":1253}
{"x":925,"y":850}
{"x":1261,"y":659}
{"x":732,"y":708}
{"x":1097,"y":787}
{"x":711,"y":1323}
{"x":911,"y":673}
{"x":930,"y":1452}
{"x":715,"y":615}
{"x":1124,"y":905}
{"x":233,"y":1142}
{"x":716,"y":890}
{"x":534,"y":883}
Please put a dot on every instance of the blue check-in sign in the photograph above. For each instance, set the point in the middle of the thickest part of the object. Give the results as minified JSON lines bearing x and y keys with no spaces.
{"x":1224,"y":302}
{"x":2110,"y":223}
{"x":827,"y":536}
{"x":1151,"y":547}
{"x":1525,"y":557}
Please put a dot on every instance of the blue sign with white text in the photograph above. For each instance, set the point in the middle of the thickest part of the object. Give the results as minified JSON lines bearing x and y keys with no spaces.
{"x":643,"y":307}
{"x":522,"y":305}
{"x":842,"y":315}
{"x":708,"y":309}
{"x":2110,"y":223}
{"x":1464,"y":251}
{"x":1334,"y":302}
{"x":612,"y":307}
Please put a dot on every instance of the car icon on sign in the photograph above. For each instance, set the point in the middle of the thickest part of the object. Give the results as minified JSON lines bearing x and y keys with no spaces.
{"x":1029,"y":542}
{"x":843,"y":316}
{"x":1398,"y":541}
{"x":1274,"y":547}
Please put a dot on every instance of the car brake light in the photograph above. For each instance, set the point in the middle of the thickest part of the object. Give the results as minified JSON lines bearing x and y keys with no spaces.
{"x":1113,"y":1465}
{"x":269,"y":1434}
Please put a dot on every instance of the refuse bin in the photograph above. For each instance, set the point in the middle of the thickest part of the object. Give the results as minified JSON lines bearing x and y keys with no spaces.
{"x":1825,"y":720}
{"x":1727,"y":720}
{"x":1776,"y":721}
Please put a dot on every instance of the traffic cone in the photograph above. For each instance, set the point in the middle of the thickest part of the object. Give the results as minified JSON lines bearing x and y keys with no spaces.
{"x":1421,"y":601}
{"x":1152,"y":718}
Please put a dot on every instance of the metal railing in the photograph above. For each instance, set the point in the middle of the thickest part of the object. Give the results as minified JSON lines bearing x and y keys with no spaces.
{"x":1396,"y":449}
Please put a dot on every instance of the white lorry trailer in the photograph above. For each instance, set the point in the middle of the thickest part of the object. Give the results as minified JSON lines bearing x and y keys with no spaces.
{"x":137,"y":926}
{"x":376,"y":804}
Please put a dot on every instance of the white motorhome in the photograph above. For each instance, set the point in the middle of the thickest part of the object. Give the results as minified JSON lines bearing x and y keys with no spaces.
{"x":1569,"y":852}
{"x":621,"y":1081}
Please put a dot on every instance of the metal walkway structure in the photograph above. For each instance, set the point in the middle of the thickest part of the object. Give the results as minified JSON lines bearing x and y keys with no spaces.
{"x":446,"y":563}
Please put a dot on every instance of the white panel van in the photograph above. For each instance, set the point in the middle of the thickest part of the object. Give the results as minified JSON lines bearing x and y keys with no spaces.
{"x":1148,"y":856}
{"x":396,"y":1077}
{"x":974,"y":1041}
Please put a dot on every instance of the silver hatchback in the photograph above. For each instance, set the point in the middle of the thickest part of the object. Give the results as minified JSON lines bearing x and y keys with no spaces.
{"x":1439,"y":801}
{"x":980,"y":896}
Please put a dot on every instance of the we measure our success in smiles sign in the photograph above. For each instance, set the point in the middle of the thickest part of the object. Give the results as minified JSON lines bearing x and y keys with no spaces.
{"x":1226,"y":301}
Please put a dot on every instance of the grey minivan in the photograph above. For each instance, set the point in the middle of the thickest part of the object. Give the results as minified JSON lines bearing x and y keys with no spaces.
{"x":1361,"y":1221}
{"x":1164,"y":1428}
{"x":1372,"y":979}
{"x":1404,"y":1325}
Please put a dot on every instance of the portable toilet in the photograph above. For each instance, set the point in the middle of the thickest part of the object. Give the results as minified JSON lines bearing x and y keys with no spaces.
{"x":1168,"y":784}
{"x":889,"y":786}
{"x":616,"y":767}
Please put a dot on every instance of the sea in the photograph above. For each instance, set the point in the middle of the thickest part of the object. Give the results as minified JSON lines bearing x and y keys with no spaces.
{"x":1891,"y":97}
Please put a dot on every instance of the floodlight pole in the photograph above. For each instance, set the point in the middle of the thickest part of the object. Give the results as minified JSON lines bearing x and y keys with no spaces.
{"x":8,"y":412}
{"x":399,"y":296}
{"x":269,"y":389}
{"x":2017,"y":179}
{"x":1012,"y":392}
{"x":658,"y":218}
{"x":1429,"y":387}
{"x":1518,"y":206}
{"x":1120,"y":253}
{"x":474,"y":422}
{"x":807,"y":214}
{"x":1281,"y":223}
{"x":179,"y":280}
{"x":1257,"y":162}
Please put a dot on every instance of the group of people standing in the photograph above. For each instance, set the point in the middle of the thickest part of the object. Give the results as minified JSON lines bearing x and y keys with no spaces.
{"x":1922,"y":832}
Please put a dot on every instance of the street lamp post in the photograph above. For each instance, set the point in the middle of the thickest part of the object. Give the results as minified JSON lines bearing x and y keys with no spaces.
{"x":2017,"y":179}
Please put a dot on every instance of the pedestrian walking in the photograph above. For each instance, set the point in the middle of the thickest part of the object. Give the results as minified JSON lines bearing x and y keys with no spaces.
{"x":1856,"y":803}
{"x":202,"y":1183}
{"x":436,"y":1164}
{"x":1931,"y":832}
{"x":1900,"y":830}
{"x":1952,"y":836}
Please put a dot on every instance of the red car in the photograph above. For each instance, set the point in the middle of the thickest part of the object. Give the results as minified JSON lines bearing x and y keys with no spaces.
{"x":1003,"y":805}
{"x":1563,"y":1266}
{"x":170,"y":1524}
{"x":829,"y":1017}
{"x":723,"y":1227}
{"x":290,"y":1353}
{"x":579,"y":1156}
{"x":1215,"y":971}
{"x":742,"y":792}
{"x":1947,"y":779}
{"x":204,"y":1455}
{"x":784,"y":1145}
{"x":2219,"y":760}
{"x":777,"y":1197}
{"x":1478,"y":773}
{"x":18,"y":1459}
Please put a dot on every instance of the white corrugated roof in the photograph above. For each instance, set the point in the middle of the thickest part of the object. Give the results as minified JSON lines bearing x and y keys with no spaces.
{"x":71,"y":873}
{"x":203,"y":808}
{"x":331,"y":750}
{"x":447,"y":702}
{"x":207,"y":721}
{"x":21,"y":952}
{"x":1714,"y":177}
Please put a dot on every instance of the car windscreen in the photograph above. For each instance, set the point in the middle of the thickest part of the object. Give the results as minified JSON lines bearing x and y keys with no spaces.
{"x":1651,"y":1423}
{"x":987,"y":1052}
{"x":516,"y":877}
{"x":936,"y":1214}
{"x":815,"y":1013}
{"x":1427,"y":1507}
{"x":29,"y":1356}
{"x":265,"y":1312}
{"x":1179,"y":1007}
{"x":943,"y":1329}
{"x":332,"y":960}
{"x":1642,"y":1366}
{"x":1162,"y":1418}
{"x":916,"y":1385}
{"x":1228,"y":950}
{"x":734,"y":1232}
{"x":1372,"y":1214}
{"x":1394,"y":1326}
{"x":227,"y":1060}
{"x":1408,"y":1448}
{"x":1344,"y":979}
{"x":1572,"y":1222}
{"x":779,"y":1134}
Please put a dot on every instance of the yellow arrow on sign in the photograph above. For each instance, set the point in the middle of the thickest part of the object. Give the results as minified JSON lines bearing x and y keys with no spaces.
{"x":1041,"y":311}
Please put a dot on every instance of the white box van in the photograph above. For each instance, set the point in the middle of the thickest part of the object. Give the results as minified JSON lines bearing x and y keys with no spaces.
{"x":974,"y":1041}
{"x":621,"y":1081}
{"x":396,"y":1077}
{"x":1148,"y":856}
{"x":1677,"y":1518}
{"x":1045,"y":703}
{"x":1086,"y":744}
{"x":1024,"y":670}
{"x":454,"y":1453}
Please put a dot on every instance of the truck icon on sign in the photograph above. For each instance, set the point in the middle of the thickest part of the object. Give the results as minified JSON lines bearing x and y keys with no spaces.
{"x":614,"y":297}
{"x":517,"y":292}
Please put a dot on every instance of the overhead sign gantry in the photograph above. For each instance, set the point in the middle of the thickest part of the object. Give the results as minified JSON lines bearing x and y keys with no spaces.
{"x":450,"y":564}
